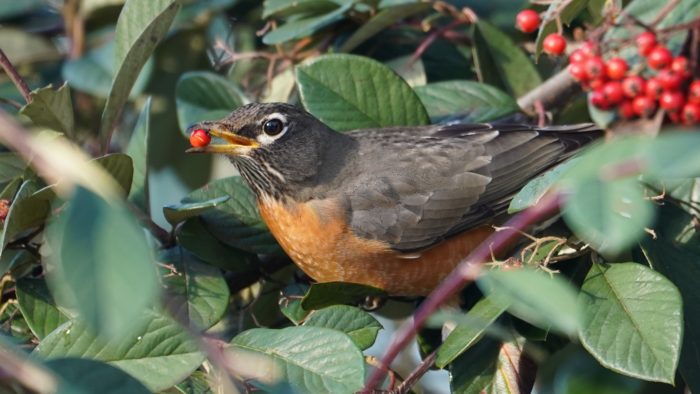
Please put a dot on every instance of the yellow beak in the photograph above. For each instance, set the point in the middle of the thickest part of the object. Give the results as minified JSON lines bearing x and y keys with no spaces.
{"x":236,"y":145}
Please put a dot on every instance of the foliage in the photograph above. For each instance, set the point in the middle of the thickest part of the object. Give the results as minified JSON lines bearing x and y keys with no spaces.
{"x":113,"y":282}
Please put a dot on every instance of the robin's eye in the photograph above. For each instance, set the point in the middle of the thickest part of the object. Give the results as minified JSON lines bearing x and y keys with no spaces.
{"x":273,"y":127}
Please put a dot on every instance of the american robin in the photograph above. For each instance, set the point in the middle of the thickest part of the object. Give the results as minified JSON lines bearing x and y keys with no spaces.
{"x":395,"y":208}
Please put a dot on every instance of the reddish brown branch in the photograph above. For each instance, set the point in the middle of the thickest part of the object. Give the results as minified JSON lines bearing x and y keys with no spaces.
{"x":466,"y":272}
{"x":416,"y":374}
{"x":17,"y":79}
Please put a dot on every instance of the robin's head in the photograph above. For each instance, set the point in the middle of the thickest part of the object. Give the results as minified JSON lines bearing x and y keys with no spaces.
{"x":275,"y":146}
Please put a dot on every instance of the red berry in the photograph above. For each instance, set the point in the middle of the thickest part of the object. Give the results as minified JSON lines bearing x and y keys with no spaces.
{"x":659,"y":57}
{"x":681,"y":66}
{"x":594,"y":67}
{"x":633,"y":86}
{"x":578,"y":71}
{"x":671,"y":101}
{"x":616,"y":68}
{"x":589,"y":48}
{"x":613,"y":92}
{"x":646,"y":42}
{"x":644,"y":106}
{"x":694,"y":92}
{"x":626,"y":109}
{"x":577,"y":56}
{"x":554,"y":44}
{"x":599,"y":100}
{"x":691,"y":113}
{"x":199,"y":138}
{"x":527,"y":21}
{"x":669,"y":80}
{"x":653,"y":88}
{"x":597,"y":83}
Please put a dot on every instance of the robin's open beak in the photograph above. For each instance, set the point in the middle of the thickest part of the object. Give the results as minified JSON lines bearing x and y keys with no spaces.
{"x":236,"y":144}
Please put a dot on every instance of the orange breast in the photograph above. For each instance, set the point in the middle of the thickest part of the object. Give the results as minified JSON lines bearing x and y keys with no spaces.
{"x":317,"y":238}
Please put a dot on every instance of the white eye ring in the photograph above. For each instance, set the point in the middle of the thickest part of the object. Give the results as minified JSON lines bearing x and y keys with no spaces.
{"x":270,"y":136}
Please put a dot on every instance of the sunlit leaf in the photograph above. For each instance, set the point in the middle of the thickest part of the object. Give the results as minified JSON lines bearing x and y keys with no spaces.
{"x":358,"y":324}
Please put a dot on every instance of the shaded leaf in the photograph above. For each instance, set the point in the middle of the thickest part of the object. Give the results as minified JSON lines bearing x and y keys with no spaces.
{"x":51,"y":108}
{"x":38,"y":307}
{"x":281,"y":8}
{"x":290,"y":302}
{"x":11,"y":166}
{"x":300,"y":28}
{"x":193,"y":236}
{"x":531,"y":193}
{"x":137,"y":149}
{"x":633,"y":321}
{"x":22,"y":47}
{"x":476,"y":101}
{"x":350,"y":92}
{"x":358,"y":324}
{"x":24,"y":213}
{"x":79,"y":375}
{"x":309,"y":359}
{"x":383,"y":19}
{"x":95,"y":271}
{"x":159,"y":354}
{"x":178,"y":213}
{"x":120,"y":167}
{"x":321,"y":295}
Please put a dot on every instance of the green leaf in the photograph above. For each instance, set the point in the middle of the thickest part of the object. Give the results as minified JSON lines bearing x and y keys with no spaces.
{"x":88,"y":7}
{"x":237,"y":221}
{"x":202,"y":95}
{"x":22,"y":47}
{"x":305,"y":27}
{"x":633,"y":321}
{"x":321,"y":295}
{"x":475,"y":370}
{"x":51,"y":108}
{"x":93,"y":72}
{"x":11,"y":167}
{"x":675,"y":253}
{"x":100,"y":255}
{"x":193,"y":236}
{"x":281,"y":8}
{"x":178,"y":213}
{"x":12,"y":9}
{"x":89,"y":376}
{"x":140,"y":27}
{"x":501,"y":63}
{"x":477,"y":101}
{"x":290,"y":302}
{"x":137,"y":149}
{"x":468,"y":333}
{"x":358,"y":324}
{"x":563,"y":10}
{"x":531,"y":193}
{"x":24,"y":213}
{"x":15,"y":258}
{"x":38,"y":307}
{"x":309,"y":359}
{"x":159,"y":354}
{"x":671,"y":155}
{"x":350,"y":92}
{"x":553,"y":305}
{"x":381,"y":21}
{"x":196,"y":293}
{"x":120,"y":167}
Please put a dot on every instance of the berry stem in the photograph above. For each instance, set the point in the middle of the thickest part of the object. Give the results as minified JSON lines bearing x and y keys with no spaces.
{"x":17,"y":79}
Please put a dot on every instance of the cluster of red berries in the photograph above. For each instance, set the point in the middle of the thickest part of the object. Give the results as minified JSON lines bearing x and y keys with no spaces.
{"x":199,"y":138}
{"x":613,"y":86}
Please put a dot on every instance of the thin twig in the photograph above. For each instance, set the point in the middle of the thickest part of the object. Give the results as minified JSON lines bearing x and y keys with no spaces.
{"x":466,"y":272}
{"x":425,"y":44}
{"x":17,"y":79}
{"x":417,"y":373}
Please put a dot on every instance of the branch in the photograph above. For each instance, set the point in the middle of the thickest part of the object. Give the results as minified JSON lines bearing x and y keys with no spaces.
{"x":417,"y":373}
{"x":15,"y":77}
{"x":551,"y":92}
{"x":466,"y":272}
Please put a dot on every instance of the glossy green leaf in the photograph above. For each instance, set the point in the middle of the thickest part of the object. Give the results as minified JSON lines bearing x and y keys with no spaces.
{"x":120,"y":167}
{"x":194,"y":236}
{"x":51,"y":108}
{"x":237,"y":221}
{"x":13,"y":258}
{"x":79,"y":375}
{"x":159,"y":354}
{"x":178,"y":213}
{"x":413,"y":72}
{"x":633,"y":320}
{"x":309,"y":359}
{"x":195,"y":292}
{"x":553,"y":305}
{"x":501,"y":63}
{"x":11,"y":166}
{"x":381,"y":21}
{"x":360,"y":326}
{"x":281,"y":8}
{"x":321,"y":295}
{"x":563,"y":10}
{"x":468,"y":333}
{"x":38,"y":307}
{"x":476,"y":101}
{"x":140,"y":27}
{"x":531,"y":193}
{"x":100,"y":255}
{"x":350,"y":92}
{"x":24,"y":213}
{"x":474,"y":370}
{"x":300,"y":28}
{"x":204,"y":95}
{"x":137,"y":149}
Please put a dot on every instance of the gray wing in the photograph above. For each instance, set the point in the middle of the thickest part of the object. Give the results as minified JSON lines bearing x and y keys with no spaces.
{"x":436,"y":181}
